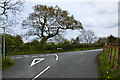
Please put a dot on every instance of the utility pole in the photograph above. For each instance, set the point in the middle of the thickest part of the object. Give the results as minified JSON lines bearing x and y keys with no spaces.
{"x":4,"y":54}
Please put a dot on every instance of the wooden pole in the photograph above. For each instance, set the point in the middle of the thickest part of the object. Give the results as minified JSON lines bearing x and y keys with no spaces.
{"x":118,"y":59}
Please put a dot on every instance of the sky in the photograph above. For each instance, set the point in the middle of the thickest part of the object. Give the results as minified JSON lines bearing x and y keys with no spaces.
{"x":100,"y":17}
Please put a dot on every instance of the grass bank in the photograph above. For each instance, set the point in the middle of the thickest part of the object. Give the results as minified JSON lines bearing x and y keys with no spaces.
{"x":105,"y":68}
{"x":6,"y":63}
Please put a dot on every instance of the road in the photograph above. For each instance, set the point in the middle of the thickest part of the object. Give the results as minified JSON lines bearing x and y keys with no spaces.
{"x":76,"y":64}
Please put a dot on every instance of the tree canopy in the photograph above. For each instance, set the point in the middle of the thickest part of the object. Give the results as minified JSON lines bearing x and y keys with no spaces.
{"x":48,"y":21}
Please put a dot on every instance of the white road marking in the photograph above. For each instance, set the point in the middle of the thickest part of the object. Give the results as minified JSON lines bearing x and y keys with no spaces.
{"x":56,"y":56}
{"x":81,"y":53}
{"x":47,"y":54}
{"x":41,"y":73}
{"x":18,"y":57}
{"x":52,"y":54}
{"x":26,"y":55}
{"x":34,"y":56}
{"x":39,"y":60}
{"x":41,"y":55}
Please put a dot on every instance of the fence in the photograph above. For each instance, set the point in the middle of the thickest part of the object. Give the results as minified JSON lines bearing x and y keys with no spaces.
{"x":112,"y":51}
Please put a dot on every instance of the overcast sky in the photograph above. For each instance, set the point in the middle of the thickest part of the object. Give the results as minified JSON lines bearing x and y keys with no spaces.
{"x":100,"y":17}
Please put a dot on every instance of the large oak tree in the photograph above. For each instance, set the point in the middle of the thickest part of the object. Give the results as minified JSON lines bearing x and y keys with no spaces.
{"x":48,"y":21}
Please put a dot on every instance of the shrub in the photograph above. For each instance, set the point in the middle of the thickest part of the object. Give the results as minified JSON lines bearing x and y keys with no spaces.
{"x":6,"y":63}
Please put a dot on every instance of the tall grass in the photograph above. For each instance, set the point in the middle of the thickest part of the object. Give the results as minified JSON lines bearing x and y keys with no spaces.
{"x":105,"y":68}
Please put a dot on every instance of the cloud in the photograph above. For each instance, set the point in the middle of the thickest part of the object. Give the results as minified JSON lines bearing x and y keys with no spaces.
{"x":100,"y":17}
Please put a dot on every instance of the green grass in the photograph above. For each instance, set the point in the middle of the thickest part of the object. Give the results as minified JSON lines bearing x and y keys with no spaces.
{"x":112,"y":56}
{"x":50,"y":51}
{"x":105,"y":68}
{"x":6,"y":63}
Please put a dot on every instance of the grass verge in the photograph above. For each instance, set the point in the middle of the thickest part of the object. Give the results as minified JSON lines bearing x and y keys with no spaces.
{"x":105,"y":68}
{"x":6,"y":63}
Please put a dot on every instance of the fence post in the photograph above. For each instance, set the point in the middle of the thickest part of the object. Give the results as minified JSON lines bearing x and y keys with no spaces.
{"x":114,"y":56}
{"x":118,"y":58}
{"x":106,"y":51}
{"x":103,"y":48}
{"x":111,"y":52}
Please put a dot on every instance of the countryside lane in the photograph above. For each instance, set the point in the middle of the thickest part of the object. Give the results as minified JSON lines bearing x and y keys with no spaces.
{"x":76,"y":64}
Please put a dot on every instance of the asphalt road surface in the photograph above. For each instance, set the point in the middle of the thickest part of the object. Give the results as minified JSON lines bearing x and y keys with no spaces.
{"x":76,"y":64}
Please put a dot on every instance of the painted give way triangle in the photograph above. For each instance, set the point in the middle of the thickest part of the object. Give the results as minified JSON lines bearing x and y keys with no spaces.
{"x":36,"y":60}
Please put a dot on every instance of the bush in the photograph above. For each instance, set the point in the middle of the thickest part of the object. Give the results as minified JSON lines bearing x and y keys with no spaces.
{"x":6,"y":63}
{"x":51,"y":47}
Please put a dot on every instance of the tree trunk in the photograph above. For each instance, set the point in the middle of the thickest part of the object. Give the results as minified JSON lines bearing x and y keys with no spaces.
{"x":43,"y":40}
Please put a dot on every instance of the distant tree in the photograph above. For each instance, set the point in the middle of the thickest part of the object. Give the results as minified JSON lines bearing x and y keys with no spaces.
{"x":58,"y":39}
{"x":34,"y":43}
{"x":48,"y":21}
{"x":87,"y":36}
{"x":12,"y":41}
{"x":9,"y":41}
{"x":9,"y":10}
{"x":0,"y":40}
{"x":18,"y":40}
{"x":117,"y":40}
{"x":111,"y":39}
{"x":75,"y":41}
{"x":101,"y":40}
{"x":65,"y":41}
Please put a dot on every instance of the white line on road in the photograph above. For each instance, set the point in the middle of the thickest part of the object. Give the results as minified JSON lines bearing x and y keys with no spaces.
{"x":34,"y":56}
{"x":41,"y":55}
{"x":52,"y":54}
{"x":81,"y":53}
{"x":18,"y":57}
{"x":37,"y":61}
{"x":56,"y":56}
{"x":41,"y":73}
{"x":47,"y":54}
{"x":26,"y":56}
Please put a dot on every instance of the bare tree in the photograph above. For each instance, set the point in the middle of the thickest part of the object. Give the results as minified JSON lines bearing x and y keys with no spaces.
{"x":9,"y":12}
{"x":48,"y":21}
{"x":87,"y":36}
{"x":59,"y":38}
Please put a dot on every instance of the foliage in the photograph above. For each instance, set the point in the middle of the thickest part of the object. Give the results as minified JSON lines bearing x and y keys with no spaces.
{"x":9,"y":41}
{"x":48,"y":21}
{"x":109,"y":39}
{"x":27,"y":48}
{"x":15,"y":46}
{"x":6,"y":63}
{"x":13,"y":40}
{"x":75,"y":41}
